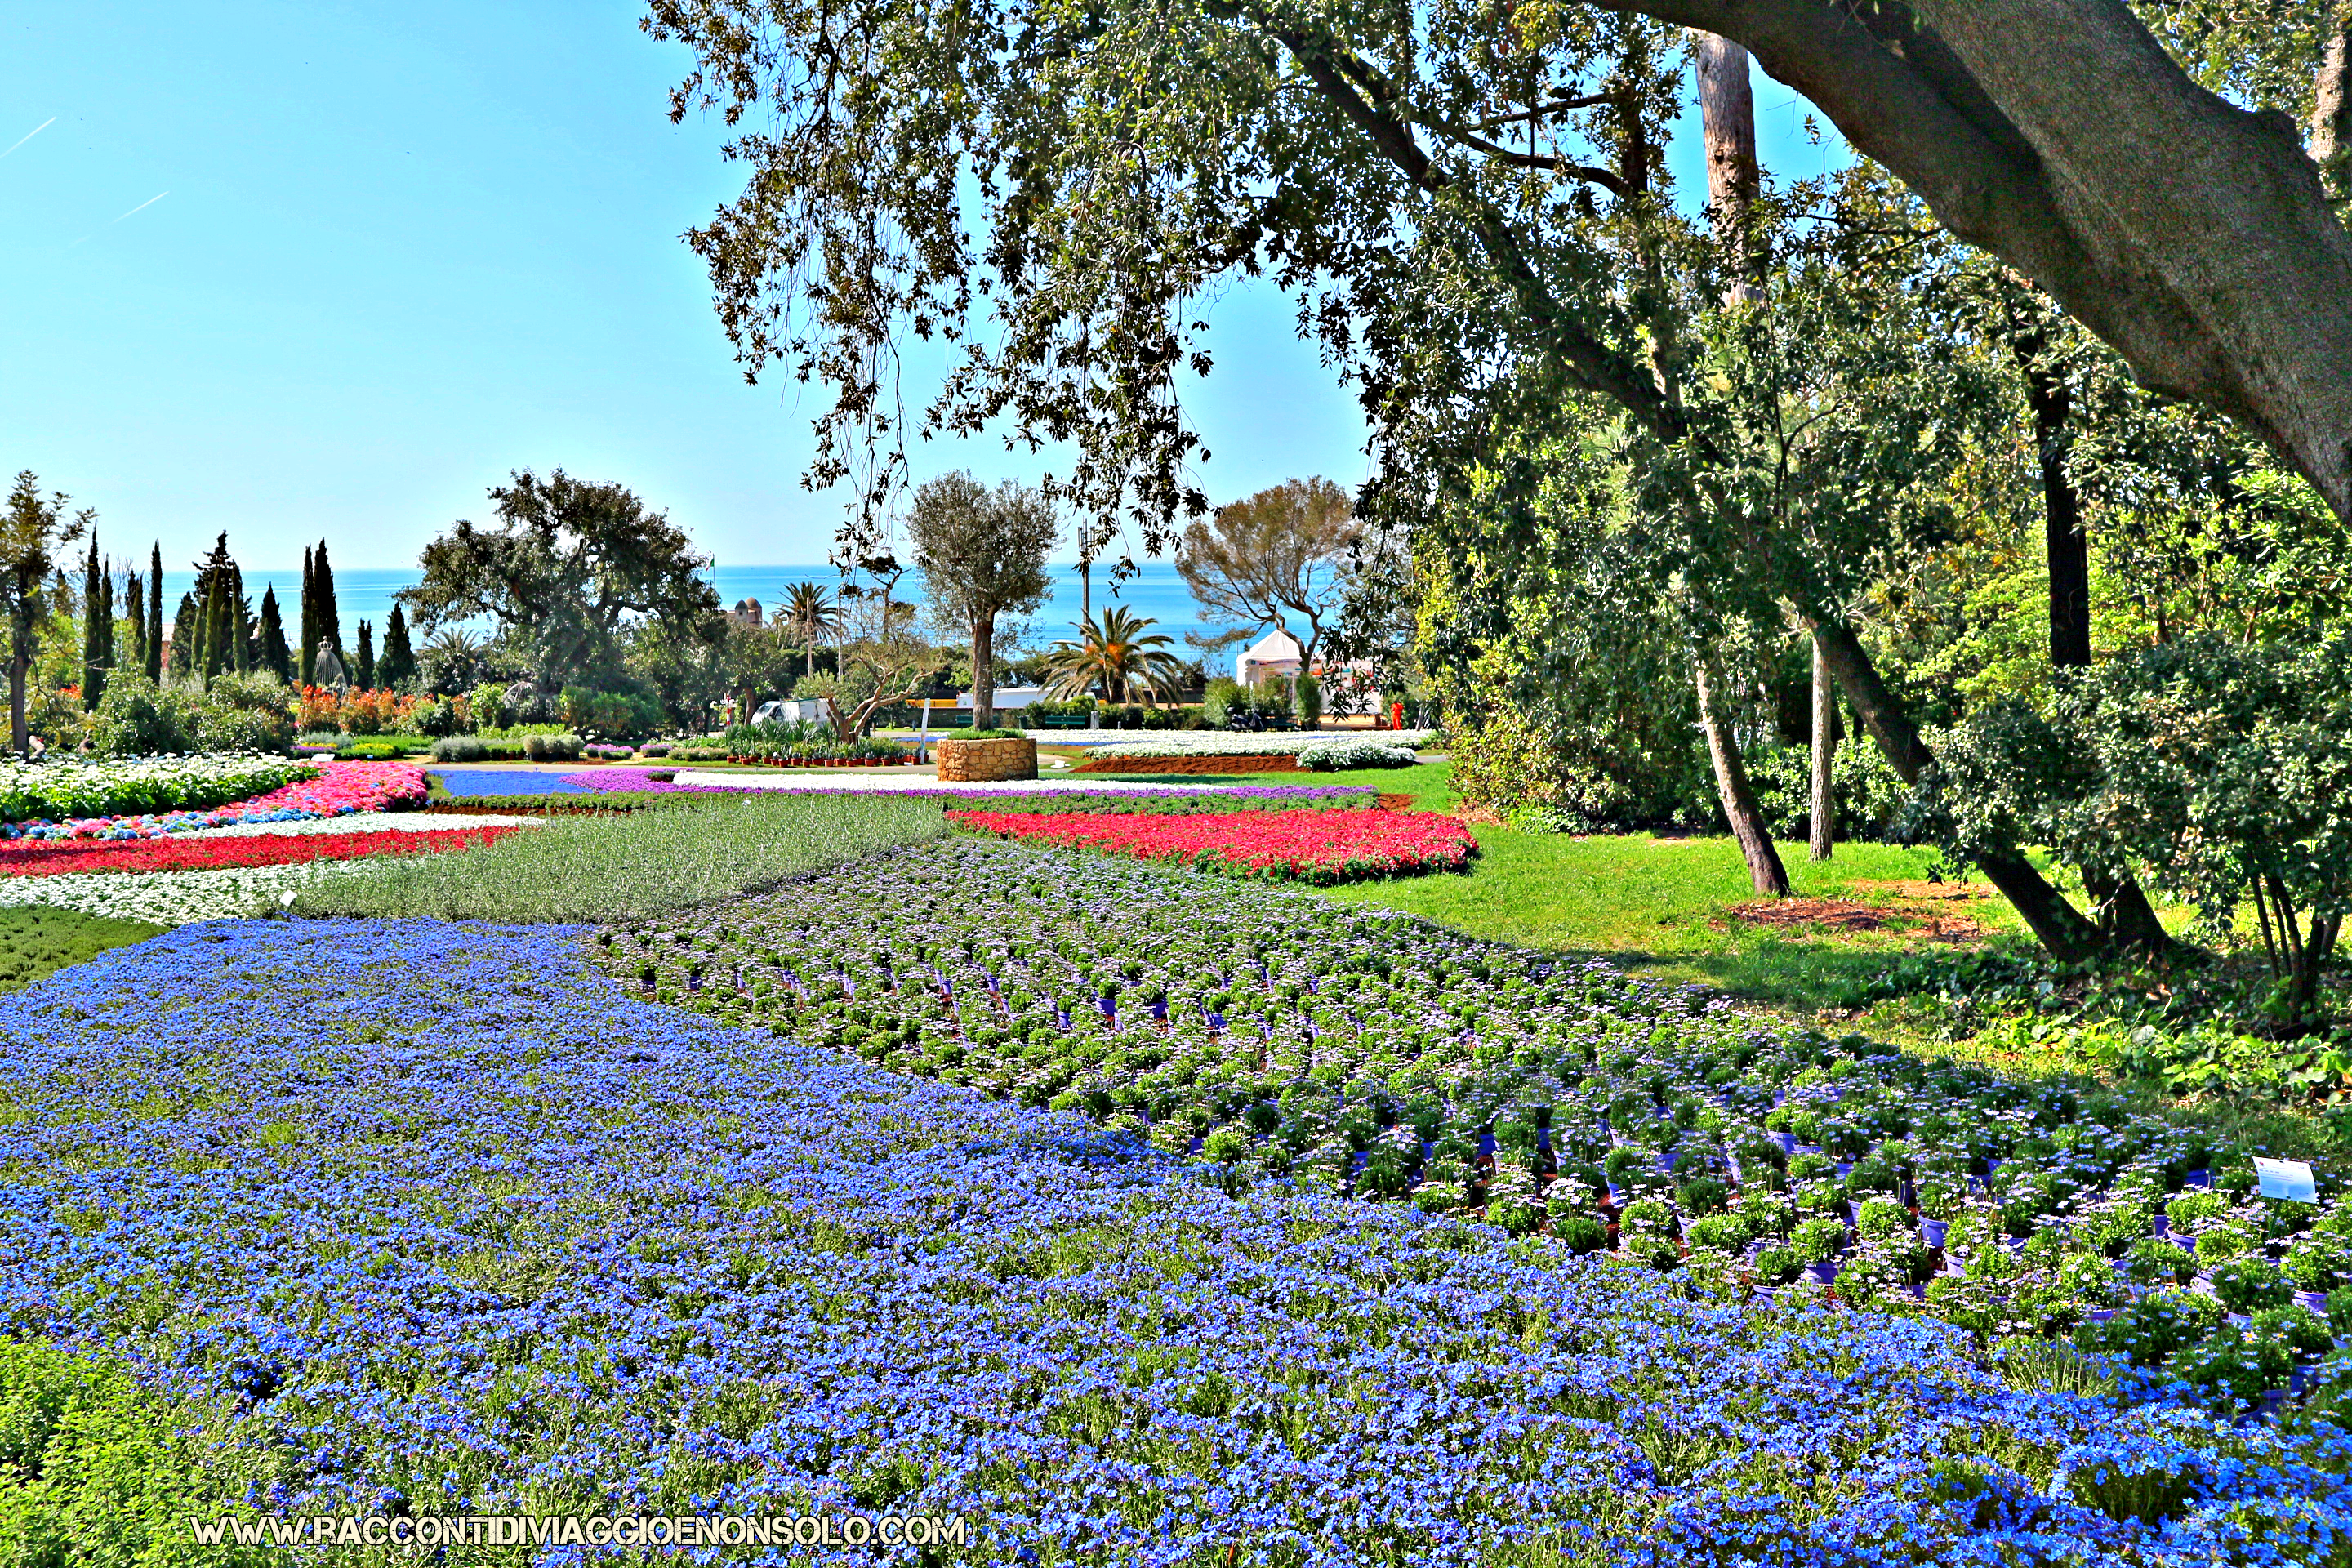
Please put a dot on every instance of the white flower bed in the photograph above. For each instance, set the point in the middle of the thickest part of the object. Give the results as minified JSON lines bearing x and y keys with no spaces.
{"x":115,"y":786}
{"x":1328,"y":756}
{"x":173,"y":898}
{"x":1227,"y":743}
{"x":364,"y":822}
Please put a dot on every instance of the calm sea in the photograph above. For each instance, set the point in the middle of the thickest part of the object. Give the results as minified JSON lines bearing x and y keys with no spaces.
{"x":360,"y":595}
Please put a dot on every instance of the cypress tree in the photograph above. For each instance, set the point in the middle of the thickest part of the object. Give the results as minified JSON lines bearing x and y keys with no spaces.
{"x":217,"y":626}
{"x":97,"y":628}
{"x":306,"y":655}
{"x":366,"y":679}
{"x":274,"y":658}
{"x":184,"y":636}
{"x":398,"y":666}
{"x":134,"y":610}
{"x":154,"y":643}
{"x":331,"y":620}
{"x":240,"y":623}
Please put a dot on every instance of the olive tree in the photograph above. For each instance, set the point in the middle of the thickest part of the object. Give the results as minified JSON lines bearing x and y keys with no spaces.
{"x":982,"y":554}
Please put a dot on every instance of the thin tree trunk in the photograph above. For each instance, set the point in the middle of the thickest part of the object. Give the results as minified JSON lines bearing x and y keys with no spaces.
{"x":1738,"y":796}
{"x":1728,"y":125}
{"x":1824,"y":813}
{"x":19,"y":630}
{"x":2061,"y":928}
{"x":2331,"y":106}
{"x":2067,"y":543}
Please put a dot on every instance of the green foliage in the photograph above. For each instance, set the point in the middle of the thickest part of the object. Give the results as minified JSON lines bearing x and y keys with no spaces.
{"x":251,"y":713}
{"x":616,"y":715}
{"x":94,"y":1473}
{"x":37,"y":940}
{"x":567,"y":564}
{"x":2211,"y":771}
{"x":704,"y":848}
{"x":134,"y":718}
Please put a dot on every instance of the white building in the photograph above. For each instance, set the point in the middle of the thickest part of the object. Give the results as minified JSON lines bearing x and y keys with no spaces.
{"x":1276,"y":653}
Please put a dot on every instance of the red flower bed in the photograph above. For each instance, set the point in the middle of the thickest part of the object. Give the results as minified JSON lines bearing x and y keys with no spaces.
{"x":1304,"y":845}
{"x":202,"y":853}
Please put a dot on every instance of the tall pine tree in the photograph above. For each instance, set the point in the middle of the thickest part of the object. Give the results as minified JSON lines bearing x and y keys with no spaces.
{"x":155,"y":614}
{"x":97,"y":628}
{"x":274,"y":658}
{"x":398,"y":666}
{"x":331,"y":621}
{"x":187,"y":635}
{"x":365,"y":677}
{"x":305,"y":654}
{"x":217,"y":627}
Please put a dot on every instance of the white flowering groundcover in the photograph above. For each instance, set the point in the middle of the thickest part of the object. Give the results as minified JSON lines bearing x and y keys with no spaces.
{"x":111,"y":786}
{"x":1227,"y":744}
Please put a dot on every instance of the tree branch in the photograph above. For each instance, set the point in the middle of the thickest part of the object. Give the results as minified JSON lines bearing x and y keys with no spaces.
{"x":2028,"y":126}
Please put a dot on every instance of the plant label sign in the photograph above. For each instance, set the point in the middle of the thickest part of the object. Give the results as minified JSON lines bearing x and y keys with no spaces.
{"x":2286,"y":1179}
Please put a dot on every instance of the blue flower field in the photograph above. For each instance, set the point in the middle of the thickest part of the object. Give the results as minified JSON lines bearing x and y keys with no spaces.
{"x":441,"y":1217}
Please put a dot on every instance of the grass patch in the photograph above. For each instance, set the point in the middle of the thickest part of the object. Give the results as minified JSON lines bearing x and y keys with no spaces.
{"x":700,"y":850}
{"x":37,"y":940}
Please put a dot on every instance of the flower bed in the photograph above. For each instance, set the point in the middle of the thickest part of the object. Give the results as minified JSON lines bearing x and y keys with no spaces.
{"x":446,"y":1227}
{"x":175,"y":898}
{"x":1355,"y":1052}
{"x":1234,"y":743}
{"x":1301,"y":845}
{"x":63,"y":790}
{"x":220,"y":851}
{"x":334,"y":789}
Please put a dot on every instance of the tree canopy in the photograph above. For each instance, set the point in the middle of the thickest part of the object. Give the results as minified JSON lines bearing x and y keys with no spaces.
{"x":565,"y":566}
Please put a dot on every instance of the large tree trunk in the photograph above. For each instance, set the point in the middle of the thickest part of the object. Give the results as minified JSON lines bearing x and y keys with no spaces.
{"x":1738,"y":796}
{"x":2193,"y":237}
{"x":1824,"y":812}
{"x":2060,"y":925}
{"x":984,"y":672}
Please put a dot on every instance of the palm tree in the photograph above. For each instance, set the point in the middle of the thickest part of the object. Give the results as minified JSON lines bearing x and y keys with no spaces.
{"x":1117,"y":653}
{"x":809,"y":611}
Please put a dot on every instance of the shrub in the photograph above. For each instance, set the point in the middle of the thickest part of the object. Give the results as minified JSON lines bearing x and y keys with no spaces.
{"x":2207,"y":769}
{"x":134,"y":718}
{"x":1779,"y":1265}
{"x":1307,"y":693}
{"x":1331,"y":756}
{"x":247,"y":713}
{"x":460,"y":749}
{"x":2304,"y":1332}
{"x":551,"y":748}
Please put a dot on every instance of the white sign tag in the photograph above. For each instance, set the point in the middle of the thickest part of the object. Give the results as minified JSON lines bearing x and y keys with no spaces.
{"x":2286,"y":1179}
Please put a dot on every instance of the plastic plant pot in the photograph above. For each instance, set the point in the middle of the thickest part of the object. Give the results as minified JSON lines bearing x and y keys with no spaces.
{"x":1931,"y":1231}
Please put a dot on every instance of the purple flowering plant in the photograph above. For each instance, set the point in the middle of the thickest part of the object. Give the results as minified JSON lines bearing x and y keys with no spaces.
{"x":440,"y":1217}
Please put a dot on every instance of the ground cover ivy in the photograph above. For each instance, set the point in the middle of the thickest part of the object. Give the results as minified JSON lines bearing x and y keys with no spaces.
{"x":1360,"y":1053}
{"x":458,"y":1225}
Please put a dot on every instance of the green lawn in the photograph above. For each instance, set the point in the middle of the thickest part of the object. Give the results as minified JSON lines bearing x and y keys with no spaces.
{"x":1660,"y":905}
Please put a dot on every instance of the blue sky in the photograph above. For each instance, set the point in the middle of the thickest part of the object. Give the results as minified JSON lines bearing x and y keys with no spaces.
{"x":327,"y":268}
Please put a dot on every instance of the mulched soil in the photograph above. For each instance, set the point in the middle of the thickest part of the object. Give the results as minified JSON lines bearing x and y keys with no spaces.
{"x":1846,"y":915}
